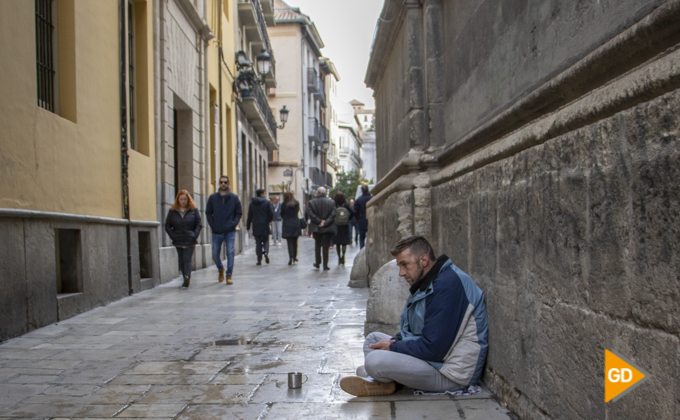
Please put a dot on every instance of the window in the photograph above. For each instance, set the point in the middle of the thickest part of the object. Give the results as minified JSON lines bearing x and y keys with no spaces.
{"x":68,"y":257}
{"x":365,"y":118}
{"x":45,"y":48}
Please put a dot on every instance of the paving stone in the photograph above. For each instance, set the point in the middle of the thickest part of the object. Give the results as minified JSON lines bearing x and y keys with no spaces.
{"x":213,"y":351}
{"x":152,"y":411}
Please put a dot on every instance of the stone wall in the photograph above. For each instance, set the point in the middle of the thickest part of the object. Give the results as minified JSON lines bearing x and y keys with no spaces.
{"x":552,"y":179}
{"x":28,"y":263}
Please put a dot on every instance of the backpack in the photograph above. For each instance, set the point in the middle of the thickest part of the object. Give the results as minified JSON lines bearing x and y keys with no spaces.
{"x":341,"y":216}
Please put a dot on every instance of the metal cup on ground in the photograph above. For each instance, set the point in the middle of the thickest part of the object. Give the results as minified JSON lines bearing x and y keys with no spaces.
{"x":295,"y":380}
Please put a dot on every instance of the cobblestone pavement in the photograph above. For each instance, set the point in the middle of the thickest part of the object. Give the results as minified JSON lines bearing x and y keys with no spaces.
{"x":215,"y":351}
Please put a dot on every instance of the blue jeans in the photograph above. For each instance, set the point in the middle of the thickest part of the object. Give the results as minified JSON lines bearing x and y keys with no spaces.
{"x":228,"y":239}
{"x":362,"y":238}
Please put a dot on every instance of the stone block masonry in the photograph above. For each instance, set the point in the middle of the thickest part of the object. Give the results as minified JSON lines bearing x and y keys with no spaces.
{"x":555,"y":187}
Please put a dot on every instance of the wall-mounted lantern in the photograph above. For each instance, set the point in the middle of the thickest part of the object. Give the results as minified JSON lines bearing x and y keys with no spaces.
{"x":283,"y":116}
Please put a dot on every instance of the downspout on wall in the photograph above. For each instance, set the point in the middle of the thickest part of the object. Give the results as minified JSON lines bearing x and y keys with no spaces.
{"x":124,"y":139}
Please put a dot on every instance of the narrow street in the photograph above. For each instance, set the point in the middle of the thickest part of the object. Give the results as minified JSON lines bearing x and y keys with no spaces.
{"x":214,"y":351}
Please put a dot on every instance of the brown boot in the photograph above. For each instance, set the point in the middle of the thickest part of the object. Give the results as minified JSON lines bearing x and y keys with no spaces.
{"x":229,"y":279}
{"x":362,"y":387}
{"x":221,"y":278}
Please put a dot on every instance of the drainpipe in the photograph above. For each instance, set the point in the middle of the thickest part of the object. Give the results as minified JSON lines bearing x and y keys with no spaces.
{"x":124,"y":139}
{"x":219,"y":78}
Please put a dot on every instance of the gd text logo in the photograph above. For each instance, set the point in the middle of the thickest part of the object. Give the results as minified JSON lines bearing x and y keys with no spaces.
{"x":620,"y":376}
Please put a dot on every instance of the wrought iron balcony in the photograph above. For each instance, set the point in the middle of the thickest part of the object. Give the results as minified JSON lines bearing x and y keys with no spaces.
{"x":251,"y":16}
{"x":323,"y":135}
{"x":321,"y":93}
{"x":357,"y":160}
{"x":256,"y":108}
{"x":314,"y":130}
{"x":268,"y":10}
{"x":312,"y":80}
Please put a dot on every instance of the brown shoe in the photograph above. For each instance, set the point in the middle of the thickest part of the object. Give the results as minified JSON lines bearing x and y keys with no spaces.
{"x":229,"y":279}
{"x":361,"y":387}
{"x":221,"y":278}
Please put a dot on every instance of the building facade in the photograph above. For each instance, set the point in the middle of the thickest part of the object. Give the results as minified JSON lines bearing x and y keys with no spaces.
{"x":77,"y":208}
{"x":299,"y":164}
{"x":182,"y":100}
{"x":331,"y":79}
{"x":536,"y":145}
{"x":256,"y":128}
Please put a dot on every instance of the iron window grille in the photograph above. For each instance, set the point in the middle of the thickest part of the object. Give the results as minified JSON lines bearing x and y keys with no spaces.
{"x":44,"y":48}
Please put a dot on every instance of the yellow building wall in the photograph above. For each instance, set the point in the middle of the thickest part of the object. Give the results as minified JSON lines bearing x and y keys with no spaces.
{"x":70,"y":163}
{"x":227,"y":145}
{"x":142,"y":167}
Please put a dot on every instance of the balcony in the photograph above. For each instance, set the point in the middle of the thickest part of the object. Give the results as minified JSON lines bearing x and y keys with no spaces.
{"x":312,"y":80}
{"x":320,"y":95}
{"x":251,"y":16}
{"x":256,"y":108}
{"x":268,"y":11}
{"x":323,"y":136}
{"x":356,"y":160}
{"x":314,"y":132}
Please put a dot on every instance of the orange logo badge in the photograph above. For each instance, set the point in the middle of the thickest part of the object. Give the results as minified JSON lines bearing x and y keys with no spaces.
{"x":620,"y":376}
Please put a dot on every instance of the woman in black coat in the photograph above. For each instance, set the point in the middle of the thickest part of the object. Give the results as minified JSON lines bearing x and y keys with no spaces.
{"x":290,"y":213}
{"x":183,"y":224}
{"x":343,"y":237}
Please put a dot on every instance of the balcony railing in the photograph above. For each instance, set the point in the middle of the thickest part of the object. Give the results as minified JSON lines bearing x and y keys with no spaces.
{"x":314,"y":130}
{"x":323,"y":134}
{"x":357,"y":159}
{"x":256,"y":107}
{"x":312,"y":80}
{"x":321,"y":93}
{"x":252,"y":17}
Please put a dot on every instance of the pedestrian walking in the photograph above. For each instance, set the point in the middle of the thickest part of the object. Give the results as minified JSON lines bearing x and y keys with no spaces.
{"x":321,"y":214}
{"x":290,"y":211}
{"x":343,"y":216}
{"x":223,"y":212}
{"x":353,"y":227}
{"x":277,"y":222}
{"x":260,"y":215}
{"x":183,"y":224}
{"x":360,"y":211}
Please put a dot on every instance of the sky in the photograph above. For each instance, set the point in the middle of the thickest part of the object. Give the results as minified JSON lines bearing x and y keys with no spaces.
{"x":346,"y":28}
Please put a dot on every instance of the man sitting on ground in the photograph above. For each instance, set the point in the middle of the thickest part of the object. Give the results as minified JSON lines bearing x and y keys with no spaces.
{"x":442,"y":343}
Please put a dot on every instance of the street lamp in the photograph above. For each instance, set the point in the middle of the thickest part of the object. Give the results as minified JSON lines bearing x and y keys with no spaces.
{"x":283,"y":116}
{"x":242,"y":60}
{"x":264,"y":62}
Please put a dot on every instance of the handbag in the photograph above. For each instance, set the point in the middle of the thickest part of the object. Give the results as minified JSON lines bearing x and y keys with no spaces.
{"x":303,"y":223}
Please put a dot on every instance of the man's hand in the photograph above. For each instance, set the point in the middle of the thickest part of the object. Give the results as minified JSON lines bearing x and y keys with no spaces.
{"x":382,"y":345}
{"x":323,"y":222}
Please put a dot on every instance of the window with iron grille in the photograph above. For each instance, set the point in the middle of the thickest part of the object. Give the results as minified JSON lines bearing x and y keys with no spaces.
{"x":44,"y":50}
{"x":132,"y":126}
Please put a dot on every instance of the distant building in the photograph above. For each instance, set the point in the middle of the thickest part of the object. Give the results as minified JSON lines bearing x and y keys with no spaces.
{"x":331,"y":78}
{"x":299,"y":165}
{"x":366,"y":116}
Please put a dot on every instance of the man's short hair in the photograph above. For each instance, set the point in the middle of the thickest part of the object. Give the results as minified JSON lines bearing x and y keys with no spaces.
{"x":321,"y":192}
{"x":259,"y":192}
{"x":364,"y":189}
{"x":418,"y":246}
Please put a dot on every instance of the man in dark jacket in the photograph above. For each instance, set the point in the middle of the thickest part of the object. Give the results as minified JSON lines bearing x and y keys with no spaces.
{"x":360,"y":214}
{"x":260,"y":215}
{"x":442,"y":341}
{"x":322,"y":213}
{"x":223,"y":212}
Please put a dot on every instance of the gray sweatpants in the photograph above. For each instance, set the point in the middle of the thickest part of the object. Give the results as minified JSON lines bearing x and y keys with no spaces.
{"x":386,"y":366}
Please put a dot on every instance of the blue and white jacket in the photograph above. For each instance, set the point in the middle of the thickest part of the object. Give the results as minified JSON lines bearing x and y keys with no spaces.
{"x":446,"y":325}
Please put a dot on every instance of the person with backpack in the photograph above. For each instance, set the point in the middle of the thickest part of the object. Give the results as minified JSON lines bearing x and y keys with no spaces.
{"x":343,"y":215}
